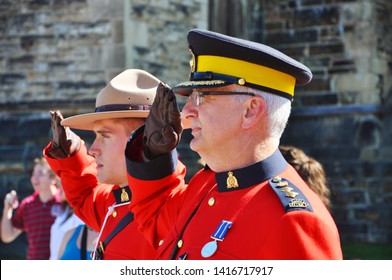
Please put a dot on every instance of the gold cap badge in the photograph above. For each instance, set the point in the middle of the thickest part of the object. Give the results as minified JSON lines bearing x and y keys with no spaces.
{"x":192,"y":62}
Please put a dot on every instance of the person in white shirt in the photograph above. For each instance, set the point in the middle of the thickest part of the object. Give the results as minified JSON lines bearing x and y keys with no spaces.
{"x":65,"y":221}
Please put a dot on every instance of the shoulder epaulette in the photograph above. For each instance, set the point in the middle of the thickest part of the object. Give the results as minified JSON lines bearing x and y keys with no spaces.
{"x":290,"y":196}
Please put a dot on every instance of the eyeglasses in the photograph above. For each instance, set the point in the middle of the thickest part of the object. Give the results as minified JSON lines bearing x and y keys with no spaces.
{"x":197,"y":96}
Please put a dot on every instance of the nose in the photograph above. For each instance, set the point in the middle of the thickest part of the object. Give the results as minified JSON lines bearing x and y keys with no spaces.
{"x":188,"y":112}
{"x":93,"y":150}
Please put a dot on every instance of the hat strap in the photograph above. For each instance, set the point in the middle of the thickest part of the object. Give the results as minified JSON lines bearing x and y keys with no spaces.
{"x":122,"y":107}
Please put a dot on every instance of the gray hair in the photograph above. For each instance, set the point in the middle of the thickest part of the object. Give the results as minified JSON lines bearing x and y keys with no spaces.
{"x":278,"y":109}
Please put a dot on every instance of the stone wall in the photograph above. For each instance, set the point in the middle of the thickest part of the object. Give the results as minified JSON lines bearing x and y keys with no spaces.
{"x":343,"y":116}
{"x":54,"y":55}
{"x":59,"y":54}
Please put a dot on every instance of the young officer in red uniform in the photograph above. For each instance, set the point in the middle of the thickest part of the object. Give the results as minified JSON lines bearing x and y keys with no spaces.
{"x":248,"y":202}
{"x":95,"y":182}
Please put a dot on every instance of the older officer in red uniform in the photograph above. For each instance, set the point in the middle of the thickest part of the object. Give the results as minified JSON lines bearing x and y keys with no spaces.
{"x":95,"y":182}
{"x":248,"y":202}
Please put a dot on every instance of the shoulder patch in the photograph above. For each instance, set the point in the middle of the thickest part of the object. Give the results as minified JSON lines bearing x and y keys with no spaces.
{"x":290,"y":196}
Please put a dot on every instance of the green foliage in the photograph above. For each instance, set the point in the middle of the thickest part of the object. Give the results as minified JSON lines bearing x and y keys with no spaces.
{"x":367,"y":251}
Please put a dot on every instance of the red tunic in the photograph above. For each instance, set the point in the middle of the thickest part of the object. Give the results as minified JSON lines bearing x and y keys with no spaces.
{"x":268,"y":221}
{"x":91,"y":201}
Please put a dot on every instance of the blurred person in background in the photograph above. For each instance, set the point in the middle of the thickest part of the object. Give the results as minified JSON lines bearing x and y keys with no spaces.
{"x":35,"y":213}
{"x":310,"y":170}
{"x":78,"y":243}
{"x":66,"y":220}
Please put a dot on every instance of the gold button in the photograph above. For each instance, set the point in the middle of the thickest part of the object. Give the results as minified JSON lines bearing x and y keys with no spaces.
{"x":276,"y":179}
{"x":114,"y":214}
{"x":160,"y":242}
{"x":179,"y":243}
{"x":241,"y":81}
{"x":211,"y":201}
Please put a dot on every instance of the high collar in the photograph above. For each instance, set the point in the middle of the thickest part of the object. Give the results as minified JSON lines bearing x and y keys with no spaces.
{"x":251,"y":175}
{"x":122,"y":195}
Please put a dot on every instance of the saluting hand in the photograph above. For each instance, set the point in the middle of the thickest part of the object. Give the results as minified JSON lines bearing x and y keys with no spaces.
{"x":163,"y":127}
{"x":64,"y":141}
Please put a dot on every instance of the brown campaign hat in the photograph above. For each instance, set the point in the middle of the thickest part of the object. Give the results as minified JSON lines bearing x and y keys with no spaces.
{"x":128,"y":95}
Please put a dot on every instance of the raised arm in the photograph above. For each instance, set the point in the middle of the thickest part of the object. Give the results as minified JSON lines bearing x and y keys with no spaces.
{"x":8,"y":232}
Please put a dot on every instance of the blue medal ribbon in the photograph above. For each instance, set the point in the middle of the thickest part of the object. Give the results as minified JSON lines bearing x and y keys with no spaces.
{"x":221,"y":231}
{"x":210,"y":248}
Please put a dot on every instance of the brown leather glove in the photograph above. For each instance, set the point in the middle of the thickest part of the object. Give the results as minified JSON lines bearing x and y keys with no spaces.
{"x":64,"y":141}
{"x":163,"y":127}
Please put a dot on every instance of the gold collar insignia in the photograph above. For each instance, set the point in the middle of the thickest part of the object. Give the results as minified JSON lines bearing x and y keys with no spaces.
{"x":231,"y":181}
{"x":124,"y":195}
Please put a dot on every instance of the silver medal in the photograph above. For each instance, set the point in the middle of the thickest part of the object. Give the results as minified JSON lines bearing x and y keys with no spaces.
{"x":209,"y":249}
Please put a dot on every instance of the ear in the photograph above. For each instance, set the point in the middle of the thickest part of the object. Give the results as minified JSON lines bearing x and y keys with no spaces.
{"x":55,"y":181}
{"x":254,"y":112}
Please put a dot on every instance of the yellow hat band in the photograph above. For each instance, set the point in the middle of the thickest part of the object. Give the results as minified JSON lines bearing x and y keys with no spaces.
{"x":252,"y":73}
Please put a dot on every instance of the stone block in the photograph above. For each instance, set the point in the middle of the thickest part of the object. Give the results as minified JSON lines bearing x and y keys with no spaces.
{"x":321,"y":85}
{"x":138,"y":30}
{"x":319,"y":99}
{"x":326,"y":49}
{"x":353,"y":231}
{"x":364,"y":84}
{"x":316,"y":16}
{"x":278,"y":39}
{"x":14,"y":167}
{"x":105,"y":9}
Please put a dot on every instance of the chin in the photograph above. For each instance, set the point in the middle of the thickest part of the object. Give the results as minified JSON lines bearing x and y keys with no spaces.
{"x":195,"y":146}
{"x":101,"y":178}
